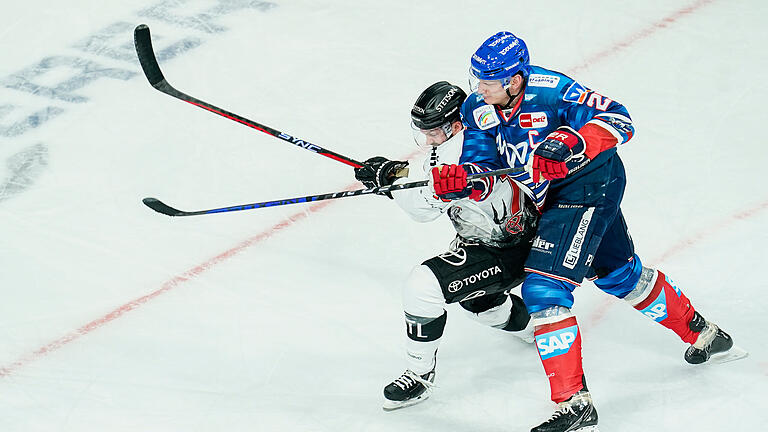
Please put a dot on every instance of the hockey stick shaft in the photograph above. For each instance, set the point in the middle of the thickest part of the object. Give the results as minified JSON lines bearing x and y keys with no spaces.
{"x":165,"y":209}
{"x":143,"y":42}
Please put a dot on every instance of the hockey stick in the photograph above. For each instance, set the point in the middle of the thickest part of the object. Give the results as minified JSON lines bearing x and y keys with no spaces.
{"x":160,"y":207}
{"x":146,"y":54}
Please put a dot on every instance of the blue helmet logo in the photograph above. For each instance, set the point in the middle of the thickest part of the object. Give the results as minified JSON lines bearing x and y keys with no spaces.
{"x":500,"y":57}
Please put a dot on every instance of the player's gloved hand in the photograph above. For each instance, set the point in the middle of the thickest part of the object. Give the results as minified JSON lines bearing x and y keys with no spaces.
{"x":379,"y":171}
{"x":450,"y":182}
{"x":551,"y":157}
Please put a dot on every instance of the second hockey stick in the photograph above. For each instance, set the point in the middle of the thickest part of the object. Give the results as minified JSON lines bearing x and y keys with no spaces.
{"x":146,"y":54}
{"x":160,"y":207}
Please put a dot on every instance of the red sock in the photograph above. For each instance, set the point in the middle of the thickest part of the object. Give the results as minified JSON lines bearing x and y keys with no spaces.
{"x":668,"y":306}
{"x":559,"y":347}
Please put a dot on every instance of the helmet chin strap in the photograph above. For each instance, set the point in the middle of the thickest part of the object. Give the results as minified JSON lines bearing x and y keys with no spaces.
{"x":511,"y":98}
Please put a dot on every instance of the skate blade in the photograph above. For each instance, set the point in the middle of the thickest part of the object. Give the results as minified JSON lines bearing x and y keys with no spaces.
{"x":395,"y":405}
{"x":587,"y":429}
{"x":733,"y":354}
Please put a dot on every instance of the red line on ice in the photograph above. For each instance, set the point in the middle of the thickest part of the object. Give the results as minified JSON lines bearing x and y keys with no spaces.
{"x":597,"y":316}
{"x":630,"y":40}
{"x":194,"y":272}
{"x":166,"y":286}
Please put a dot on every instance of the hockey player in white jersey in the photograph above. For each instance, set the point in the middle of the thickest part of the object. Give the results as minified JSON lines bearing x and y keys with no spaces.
{"x":494,"y":229}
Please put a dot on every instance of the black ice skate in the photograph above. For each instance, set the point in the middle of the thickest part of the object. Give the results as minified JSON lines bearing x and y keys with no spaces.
{"x":711,"y":341}
{"x":408,"y":390}
{"x":576,"y":414}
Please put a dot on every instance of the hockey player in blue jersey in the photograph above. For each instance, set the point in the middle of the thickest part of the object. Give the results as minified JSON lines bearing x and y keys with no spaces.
{"x":566,"y":135}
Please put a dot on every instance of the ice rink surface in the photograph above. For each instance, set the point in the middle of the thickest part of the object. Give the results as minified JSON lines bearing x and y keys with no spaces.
{"x":116,"y":318}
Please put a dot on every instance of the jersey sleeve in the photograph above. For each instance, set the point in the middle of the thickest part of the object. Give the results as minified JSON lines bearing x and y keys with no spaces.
{"x":419,"y":203}
{"x":601,"y":121}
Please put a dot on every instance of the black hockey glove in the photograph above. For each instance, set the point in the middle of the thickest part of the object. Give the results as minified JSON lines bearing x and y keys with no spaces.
{"x":379,"y":171}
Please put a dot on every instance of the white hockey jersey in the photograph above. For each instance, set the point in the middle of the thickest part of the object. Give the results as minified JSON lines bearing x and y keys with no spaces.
{"x":501,"y":215}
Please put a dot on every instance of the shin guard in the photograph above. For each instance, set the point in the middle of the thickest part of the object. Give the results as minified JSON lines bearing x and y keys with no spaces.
{"x":559,"y":345}
{"x":665,"y":304}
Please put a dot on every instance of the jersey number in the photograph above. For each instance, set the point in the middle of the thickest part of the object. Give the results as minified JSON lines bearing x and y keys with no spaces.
{"x":598,"y":101}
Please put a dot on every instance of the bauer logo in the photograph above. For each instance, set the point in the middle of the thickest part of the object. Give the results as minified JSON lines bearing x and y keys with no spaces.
{"x":509,"y":47}
{"x":539,"y":80}
{"x":533,"y":120}
{"x":485,"y":117}
{"x":575,"y":93}
{"x":557,"y":342}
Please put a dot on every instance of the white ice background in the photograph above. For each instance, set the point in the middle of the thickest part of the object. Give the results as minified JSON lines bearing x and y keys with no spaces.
{"x":289,"y":318}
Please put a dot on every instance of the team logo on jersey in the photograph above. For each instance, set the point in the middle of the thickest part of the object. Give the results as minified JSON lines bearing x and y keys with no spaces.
{"x":575,"y":93}
{"x":485,"y":117}
{"x":623,"y":125}
{"x":557,"y":342}
{"x":539,"y":80}
{"x":533,"y":120}
{"x":513,"y":225}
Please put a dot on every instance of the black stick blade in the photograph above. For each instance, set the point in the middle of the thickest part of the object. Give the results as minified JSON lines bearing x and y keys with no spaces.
{"x":160,"y":207}
{"x":143,"y":42}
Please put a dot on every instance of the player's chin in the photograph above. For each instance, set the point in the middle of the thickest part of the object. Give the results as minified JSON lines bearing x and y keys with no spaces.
{"x":490,"y":100}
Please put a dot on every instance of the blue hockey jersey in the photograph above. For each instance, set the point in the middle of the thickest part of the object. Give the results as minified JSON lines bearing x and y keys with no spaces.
{"x":496,"y":139}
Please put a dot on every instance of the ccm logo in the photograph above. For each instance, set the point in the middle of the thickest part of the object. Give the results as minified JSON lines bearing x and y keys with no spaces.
{"x":533,"y":120}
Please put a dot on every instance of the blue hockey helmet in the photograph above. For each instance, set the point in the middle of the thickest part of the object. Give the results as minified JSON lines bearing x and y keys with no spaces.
{"x":499,"y":58}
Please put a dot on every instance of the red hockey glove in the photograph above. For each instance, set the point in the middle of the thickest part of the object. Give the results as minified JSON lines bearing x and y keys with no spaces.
{"x":552,"y":156}
{"x":450,"y":182}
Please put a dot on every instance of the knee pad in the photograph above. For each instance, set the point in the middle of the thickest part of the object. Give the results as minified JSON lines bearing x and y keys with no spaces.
{"x":541,"y":292}
{"x":623,"y":280}
{"x":505,"y":312}
{"x":519,"y":316}
{"x":493,"y":313}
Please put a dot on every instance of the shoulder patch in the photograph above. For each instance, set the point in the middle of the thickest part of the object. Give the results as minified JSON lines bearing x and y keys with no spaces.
{"x":575,"y":93}
{"x":539,"y":80}
{"x":485,"y":117}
